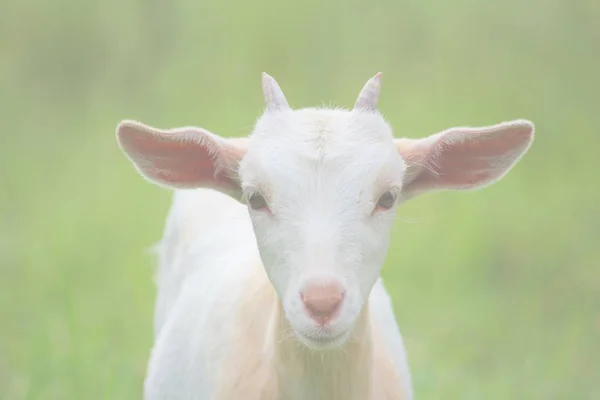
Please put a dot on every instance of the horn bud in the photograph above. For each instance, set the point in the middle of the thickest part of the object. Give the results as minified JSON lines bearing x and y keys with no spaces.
{"x":369,"y":95}
{"x":274,"y":98}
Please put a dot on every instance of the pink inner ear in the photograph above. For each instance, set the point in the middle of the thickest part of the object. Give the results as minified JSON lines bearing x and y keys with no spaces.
{"x":464,"y":158}
{"x":178,"y":158}
{"x":470,"y":157}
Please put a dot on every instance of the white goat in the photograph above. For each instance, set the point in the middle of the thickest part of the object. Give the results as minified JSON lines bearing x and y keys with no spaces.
{"x":269,"y":275}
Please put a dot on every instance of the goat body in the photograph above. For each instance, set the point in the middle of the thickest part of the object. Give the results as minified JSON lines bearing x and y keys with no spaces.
{"x":221,"y":333}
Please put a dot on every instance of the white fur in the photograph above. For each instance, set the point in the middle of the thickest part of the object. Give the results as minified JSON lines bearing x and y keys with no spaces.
{"x":229,"y":320}
{"x":217,"y":254}
{"x":210,"y":251}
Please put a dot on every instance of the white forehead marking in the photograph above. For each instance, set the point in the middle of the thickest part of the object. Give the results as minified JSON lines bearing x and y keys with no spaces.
{"x":287,"y":144}
{"x":321,"y":131}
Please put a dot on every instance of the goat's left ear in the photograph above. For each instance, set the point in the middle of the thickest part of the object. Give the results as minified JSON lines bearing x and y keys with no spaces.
{"x":463,"y":158}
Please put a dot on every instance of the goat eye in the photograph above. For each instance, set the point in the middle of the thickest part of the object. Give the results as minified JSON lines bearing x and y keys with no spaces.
{"x":257,"y":201}
{"x":386,"y":201}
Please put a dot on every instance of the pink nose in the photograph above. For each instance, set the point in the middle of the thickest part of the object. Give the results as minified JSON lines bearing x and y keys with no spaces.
{"x":322,"y":301}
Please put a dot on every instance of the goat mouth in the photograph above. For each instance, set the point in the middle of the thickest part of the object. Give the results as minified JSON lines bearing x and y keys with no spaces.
{"x":322,"y":341}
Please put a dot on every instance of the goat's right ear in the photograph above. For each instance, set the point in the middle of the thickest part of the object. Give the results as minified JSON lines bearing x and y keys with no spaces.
{"x":183,"y":158}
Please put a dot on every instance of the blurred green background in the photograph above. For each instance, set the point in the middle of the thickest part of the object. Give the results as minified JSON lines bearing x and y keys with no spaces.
{"x":497,"y":292}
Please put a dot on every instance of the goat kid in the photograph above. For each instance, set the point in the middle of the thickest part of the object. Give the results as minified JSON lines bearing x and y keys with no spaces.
{"x":269,"y":268}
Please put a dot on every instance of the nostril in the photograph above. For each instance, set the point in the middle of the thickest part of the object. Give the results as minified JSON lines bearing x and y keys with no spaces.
{"x":322,"y":302}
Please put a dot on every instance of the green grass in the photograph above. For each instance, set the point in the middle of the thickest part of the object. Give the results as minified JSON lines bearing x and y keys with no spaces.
{"x":497,"y":292}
